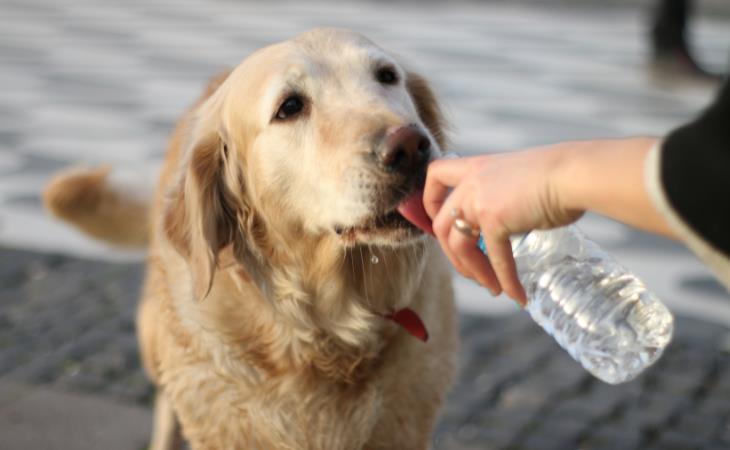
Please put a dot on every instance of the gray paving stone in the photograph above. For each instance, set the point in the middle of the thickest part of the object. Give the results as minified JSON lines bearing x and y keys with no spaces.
{"x":701,"y":426}
{"x":612,"y":437}
{"x":37,"y":418}
{"x":575,"y":407}
{"x":723,"y":436}
{"x":715,"y":404}
{"x":546,"y":441}
{"x":655,"y":410}
{"x":673,"y":440}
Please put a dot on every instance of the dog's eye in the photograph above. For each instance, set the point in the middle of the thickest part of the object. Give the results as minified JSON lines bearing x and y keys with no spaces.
{"x":292,"y":106}
{"x":386,"y":75}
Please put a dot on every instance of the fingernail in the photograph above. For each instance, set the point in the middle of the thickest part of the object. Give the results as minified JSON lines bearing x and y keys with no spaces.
{"x":522,"y":301}
{"x":523,"y":297}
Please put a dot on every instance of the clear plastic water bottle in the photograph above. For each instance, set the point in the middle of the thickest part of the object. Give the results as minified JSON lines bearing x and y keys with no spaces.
{"x":594,"y":308}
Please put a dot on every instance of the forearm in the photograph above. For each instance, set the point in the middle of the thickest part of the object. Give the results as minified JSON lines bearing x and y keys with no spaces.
{"x":607,"y":177}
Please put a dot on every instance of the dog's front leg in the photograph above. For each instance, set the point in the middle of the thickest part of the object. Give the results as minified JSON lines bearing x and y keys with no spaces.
{"x":166,"y":432}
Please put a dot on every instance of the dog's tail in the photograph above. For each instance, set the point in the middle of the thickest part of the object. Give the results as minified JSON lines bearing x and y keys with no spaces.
{"x":100,"y":205}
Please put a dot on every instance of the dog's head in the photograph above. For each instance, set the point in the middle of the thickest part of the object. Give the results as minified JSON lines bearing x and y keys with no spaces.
{"x":318,"y":138}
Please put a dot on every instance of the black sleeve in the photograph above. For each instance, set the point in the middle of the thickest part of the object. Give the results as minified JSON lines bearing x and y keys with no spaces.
{"x":695,"y":172}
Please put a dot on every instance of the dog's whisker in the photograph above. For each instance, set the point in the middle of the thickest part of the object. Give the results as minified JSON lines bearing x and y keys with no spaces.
{"x":341,"y":262}
{"x":372,"y":269}
{"x":387,"y":269}
{"x":364,"y":279}
{"x":414,"y":255}
{"x":348,"y":253}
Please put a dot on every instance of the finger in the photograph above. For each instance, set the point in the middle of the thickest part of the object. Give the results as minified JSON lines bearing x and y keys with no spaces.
{"x":442,"y":230}
{"x":499,"y":250}
{"x":442,"y":175}
{"x":473,"y":260}
{"x":453,"y":251}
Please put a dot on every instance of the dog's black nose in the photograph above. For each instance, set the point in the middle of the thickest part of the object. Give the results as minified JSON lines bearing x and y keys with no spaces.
{"x":405,"y":150}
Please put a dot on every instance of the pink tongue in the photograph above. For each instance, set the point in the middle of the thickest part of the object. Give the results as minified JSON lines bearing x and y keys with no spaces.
{"x":412,"y":209}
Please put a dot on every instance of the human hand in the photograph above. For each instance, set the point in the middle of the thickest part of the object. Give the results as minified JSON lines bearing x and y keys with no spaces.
{"x":502,"y":195}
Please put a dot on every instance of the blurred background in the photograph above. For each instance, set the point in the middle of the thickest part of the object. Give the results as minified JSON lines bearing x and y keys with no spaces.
{"x":92,"y":82}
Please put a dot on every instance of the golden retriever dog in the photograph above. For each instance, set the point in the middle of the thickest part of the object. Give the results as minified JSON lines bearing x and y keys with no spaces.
{"x":288,"y":303}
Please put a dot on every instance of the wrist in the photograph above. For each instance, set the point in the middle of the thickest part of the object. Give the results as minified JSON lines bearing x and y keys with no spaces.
{"x":572,"y":164}
{"x":600,"y":175}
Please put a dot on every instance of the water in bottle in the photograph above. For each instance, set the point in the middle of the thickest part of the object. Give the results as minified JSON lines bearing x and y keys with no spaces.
{"x":594,"y":308}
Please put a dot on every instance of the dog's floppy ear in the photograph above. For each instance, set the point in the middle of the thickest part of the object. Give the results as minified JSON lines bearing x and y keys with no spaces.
{"x":427,"y":106}
{"x":201,"y":214}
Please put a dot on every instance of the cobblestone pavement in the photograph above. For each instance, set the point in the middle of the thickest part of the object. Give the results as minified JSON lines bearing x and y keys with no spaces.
{"x":67,"y":323}
{"x":102,"y":82}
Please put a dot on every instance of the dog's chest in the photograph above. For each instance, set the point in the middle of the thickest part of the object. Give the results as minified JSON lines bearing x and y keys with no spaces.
{"x":286,"y":412}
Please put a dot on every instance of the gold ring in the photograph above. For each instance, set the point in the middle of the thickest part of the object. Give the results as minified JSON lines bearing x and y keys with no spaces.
{"x":466,"y":228}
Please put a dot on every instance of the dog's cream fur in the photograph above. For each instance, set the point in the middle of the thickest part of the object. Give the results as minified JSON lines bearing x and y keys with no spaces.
{"x":260,"y":325}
